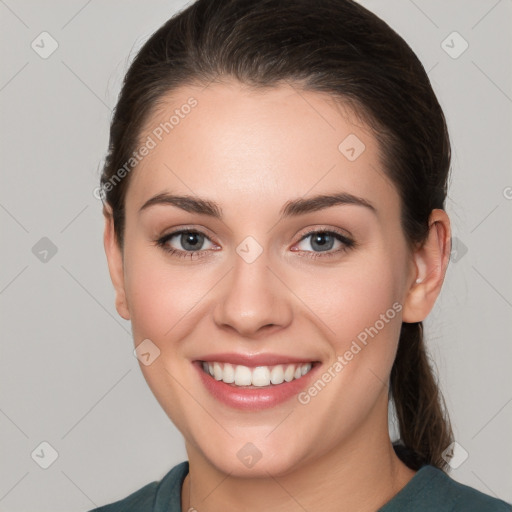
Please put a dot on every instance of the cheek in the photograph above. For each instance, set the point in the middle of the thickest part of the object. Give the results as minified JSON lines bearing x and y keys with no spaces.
{"x":161,"y":299}
{"x":355,"y":298}
{"x":361,"y":305}
{"x":159,"y":295}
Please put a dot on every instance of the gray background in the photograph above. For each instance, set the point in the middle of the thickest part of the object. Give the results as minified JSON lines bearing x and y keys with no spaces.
{"x":68,"y":374}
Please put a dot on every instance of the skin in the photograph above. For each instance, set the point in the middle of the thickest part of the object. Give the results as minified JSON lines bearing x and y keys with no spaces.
{"x":252,"y":151}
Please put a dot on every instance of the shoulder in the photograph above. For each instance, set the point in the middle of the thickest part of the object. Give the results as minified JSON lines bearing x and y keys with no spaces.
{"x":468,"y":499}
{"x":444,"y":493}
{"x":141,"y":500}
{"x":433,"y":490}
{"x":149,"y":497}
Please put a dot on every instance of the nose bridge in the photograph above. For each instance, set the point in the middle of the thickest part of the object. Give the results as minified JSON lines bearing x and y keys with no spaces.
{"x":252,"y":296}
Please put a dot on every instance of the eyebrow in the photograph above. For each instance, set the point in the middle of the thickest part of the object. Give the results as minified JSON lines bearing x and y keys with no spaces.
{"x":291,"y":208}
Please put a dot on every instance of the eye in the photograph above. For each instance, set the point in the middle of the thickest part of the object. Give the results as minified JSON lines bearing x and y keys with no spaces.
{"x":190,"y":243}
{"x":323,"y":241}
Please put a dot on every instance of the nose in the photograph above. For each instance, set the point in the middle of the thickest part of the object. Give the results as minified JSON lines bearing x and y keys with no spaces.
{"x":253,"y":299}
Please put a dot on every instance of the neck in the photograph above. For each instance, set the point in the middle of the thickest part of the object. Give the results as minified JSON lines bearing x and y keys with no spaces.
{"x":359,"y":475}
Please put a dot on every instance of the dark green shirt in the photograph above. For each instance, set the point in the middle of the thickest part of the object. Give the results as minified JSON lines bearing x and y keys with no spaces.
{"x":430,"y":489}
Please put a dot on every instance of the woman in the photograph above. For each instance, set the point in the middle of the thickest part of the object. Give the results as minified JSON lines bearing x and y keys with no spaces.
{"x":275,"y":232}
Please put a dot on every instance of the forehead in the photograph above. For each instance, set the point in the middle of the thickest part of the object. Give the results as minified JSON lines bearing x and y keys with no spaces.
{"x":229,"y":141}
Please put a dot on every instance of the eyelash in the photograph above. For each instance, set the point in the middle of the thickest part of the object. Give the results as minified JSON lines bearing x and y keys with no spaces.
{"x":347,"y":244}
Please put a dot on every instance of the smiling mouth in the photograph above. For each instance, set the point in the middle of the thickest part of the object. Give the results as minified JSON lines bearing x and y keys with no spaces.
{"x":257,"y":377}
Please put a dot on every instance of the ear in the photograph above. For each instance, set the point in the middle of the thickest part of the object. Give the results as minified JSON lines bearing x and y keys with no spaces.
{"x":115,"y":263}
{"x":430,"y":264}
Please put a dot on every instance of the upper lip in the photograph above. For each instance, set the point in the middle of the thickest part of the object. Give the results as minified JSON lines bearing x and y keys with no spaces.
{"x":254,"y":360}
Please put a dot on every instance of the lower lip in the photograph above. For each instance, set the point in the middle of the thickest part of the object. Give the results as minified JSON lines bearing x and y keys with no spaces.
{"x":254,"y":398}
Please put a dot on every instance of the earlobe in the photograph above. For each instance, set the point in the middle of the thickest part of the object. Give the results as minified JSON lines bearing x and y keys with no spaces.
{"x":430,"y":262}
{"x":115,"y":265}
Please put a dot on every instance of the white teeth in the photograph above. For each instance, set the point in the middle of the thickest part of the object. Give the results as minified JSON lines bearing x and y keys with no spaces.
{"x":259,"y":376}
{"x":289,"y":373}
{"x":243,"y":376}
{"x":277,"y":374}
{"x":228,"y":373}
{"x":305,"y":368}
{"x":217,"y":371}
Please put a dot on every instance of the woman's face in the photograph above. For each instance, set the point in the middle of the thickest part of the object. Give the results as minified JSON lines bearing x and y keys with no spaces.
{"x":250,"y":287}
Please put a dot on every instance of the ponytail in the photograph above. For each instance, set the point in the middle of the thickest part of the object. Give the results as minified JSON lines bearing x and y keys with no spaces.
{"x":424,"y":425}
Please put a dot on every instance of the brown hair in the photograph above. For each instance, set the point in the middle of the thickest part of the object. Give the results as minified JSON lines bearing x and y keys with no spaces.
{"x":332,"y":46}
